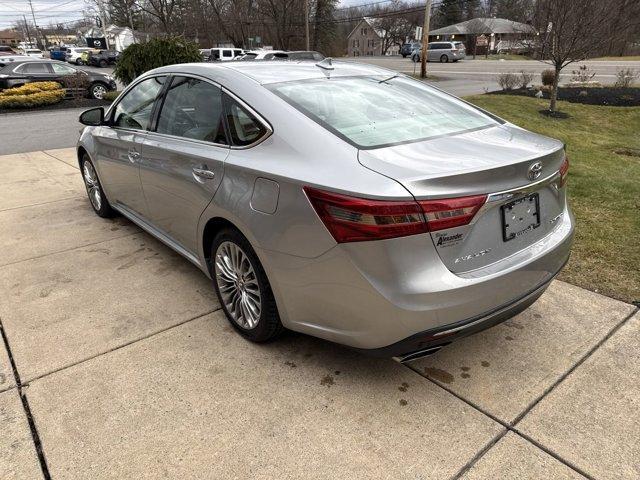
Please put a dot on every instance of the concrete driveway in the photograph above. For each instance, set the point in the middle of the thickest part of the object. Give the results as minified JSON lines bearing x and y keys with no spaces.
{"x":116,"y":362}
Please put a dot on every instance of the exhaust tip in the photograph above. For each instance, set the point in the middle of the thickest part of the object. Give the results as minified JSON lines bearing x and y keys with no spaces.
{"x":409,"y":357}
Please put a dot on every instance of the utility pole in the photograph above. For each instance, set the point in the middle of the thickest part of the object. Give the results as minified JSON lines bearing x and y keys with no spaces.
{"x":35,"y":25}
{"x":103,"y":21}
{"x":425,"y":39}
{"x":26,"y":27}
{"x":306,"y":22}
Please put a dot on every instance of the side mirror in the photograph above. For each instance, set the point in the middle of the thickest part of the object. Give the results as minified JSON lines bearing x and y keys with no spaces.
{"x":93,"y":117}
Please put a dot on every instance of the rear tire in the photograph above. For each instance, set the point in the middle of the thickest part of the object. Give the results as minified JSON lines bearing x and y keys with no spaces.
{"x":102,"y":63}
{"x":79,"y":62}
{"x":243,"y":288}
{"x":444,"y":59}
{"x":415,"y":58}
{"x":96,"y":195}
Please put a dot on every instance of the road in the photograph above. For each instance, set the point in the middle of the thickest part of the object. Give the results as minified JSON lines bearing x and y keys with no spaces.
{"x":22,"y":132}
{"x":470,"y":77}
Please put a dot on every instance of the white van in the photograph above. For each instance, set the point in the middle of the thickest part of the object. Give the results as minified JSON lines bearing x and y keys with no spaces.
{"x":224,"y":54}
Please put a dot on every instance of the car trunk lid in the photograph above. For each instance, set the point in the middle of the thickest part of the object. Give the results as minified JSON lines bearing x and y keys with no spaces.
{"x":516,"y":169}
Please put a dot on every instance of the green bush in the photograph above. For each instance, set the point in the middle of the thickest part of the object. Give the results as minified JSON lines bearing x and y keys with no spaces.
{"x":142,"y":57}
{"x":111,"y":96}
{"x":37,"y":99}
{"x":547,"y":77}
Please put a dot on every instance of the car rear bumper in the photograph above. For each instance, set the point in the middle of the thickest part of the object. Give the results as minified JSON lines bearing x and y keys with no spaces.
{"x":428,"y":341}
{"x":378,"y":295}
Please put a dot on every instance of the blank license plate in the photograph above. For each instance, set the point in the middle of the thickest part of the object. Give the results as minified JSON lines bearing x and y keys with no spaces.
{"x":520,"y":216}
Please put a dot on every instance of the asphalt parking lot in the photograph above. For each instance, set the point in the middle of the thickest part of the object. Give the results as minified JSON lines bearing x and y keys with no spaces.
{"x":116,"y":362}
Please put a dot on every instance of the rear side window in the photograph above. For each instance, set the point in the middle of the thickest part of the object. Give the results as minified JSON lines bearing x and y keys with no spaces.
{"x":244,"y":128}
{"x":372,"y":112}
{"x":135,"y":108}
{"x":192,"y":109}
{"x":34,"y":68}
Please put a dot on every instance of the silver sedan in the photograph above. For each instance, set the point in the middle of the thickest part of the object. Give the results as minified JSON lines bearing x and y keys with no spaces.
{"x":340,"y":200}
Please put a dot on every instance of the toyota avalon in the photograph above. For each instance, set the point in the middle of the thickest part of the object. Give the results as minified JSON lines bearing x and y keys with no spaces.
{"x":341,"y":200}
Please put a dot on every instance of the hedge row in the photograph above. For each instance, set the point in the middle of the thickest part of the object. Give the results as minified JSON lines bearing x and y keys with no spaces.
{"x":32,"y":95}
{"x":30,"y":88}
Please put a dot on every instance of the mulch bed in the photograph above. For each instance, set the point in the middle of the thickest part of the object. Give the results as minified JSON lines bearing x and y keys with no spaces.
{"x":71,"y":103}
{"x":609,"y":96}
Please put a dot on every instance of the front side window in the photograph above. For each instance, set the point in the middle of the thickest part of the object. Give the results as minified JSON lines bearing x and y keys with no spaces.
{"x":371,"y":112}
{"x":244,"y":128}
{"x":135,"y":108}
{"x":192,"y":109}
{"x":62,"y":69}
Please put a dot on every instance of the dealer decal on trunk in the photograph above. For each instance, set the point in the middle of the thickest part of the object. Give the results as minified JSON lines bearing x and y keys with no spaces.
{"x":445,"y":240}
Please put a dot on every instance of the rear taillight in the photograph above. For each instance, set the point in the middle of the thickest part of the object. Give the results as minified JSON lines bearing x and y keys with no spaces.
{"x":352,"y":219}
{"x":564,"y":171}
{"x":451,"y":212}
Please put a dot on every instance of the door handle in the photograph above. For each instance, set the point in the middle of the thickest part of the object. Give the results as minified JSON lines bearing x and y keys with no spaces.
{"x":203,"y":173}
{"x":133,"y":156}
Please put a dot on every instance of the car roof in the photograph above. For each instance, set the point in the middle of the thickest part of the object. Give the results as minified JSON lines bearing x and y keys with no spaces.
{"x":277,"y":71}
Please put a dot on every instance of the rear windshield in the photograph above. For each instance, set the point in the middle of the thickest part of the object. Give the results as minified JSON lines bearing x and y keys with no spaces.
{"x":373,"y":112}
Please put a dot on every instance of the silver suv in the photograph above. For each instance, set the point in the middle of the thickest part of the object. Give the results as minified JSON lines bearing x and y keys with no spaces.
{"x":442,"y":52}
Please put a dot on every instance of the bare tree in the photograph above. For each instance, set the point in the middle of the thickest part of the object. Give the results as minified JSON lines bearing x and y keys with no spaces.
{"x":571,"y":30}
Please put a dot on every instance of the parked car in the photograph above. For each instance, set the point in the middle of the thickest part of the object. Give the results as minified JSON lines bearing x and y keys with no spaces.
{"x":102,"y":58}
{"x":301,"y":55}
{"x":442,"y":52}
{"x":205,"y":53}
{"x":282,"y":55}
{"x":58,"y":53}
{"x":34,"y":52}
{"x":262,"y":55}
{"x":74,"y":55}
{"x":18,"y":73}
{"x":371,"y":210}
{"x":6,"y":50}
{"x":224,"y":54}
{"x":515,"y":46}
{"x":407,"y":48}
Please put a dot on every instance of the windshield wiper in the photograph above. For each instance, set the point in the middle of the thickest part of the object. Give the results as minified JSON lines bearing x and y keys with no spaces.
{"x":384,"y":80}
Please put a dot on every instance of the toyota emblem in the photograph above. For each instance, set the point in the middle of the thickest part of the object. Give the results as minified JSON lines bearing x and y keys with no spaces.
{"x":535,"y":170}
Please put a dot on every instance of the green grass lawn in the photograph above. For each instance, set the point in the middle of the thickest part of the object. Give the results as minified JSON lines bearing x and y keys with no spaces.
{"x":604,"y":187}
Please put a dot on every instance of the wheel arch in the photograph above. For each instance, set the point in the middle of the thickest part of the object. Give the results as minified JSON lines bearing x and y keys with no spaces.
{"x":81,"y":153}
{"x":211,"y":229}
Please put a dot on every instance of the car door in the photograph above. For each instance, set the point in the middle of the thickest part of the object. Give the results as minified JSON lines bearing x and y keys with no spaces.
{"x":434,"y":52}
{"x":73,"y":80}
{"x":183,"y":158}
{"x":118,"y":145}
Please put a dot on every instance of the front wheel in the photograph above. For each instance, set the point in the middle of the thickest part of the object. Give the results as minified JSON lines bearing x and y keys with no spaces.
{"x":243,"y":288}
{"x":98,"y":90}
{"x":94,"y":189}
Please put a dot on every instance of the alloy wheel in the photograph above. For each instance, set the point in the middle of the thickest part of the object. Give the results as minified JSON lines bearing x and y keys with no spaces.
{"x":98,"y":91}
{"x":93,"y":187}
{"x":238,"y":285}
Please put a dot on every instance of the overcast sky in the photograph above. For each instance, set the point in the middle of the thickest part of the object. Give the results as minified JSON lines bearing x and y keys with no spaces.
{"x":60,"y":11}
